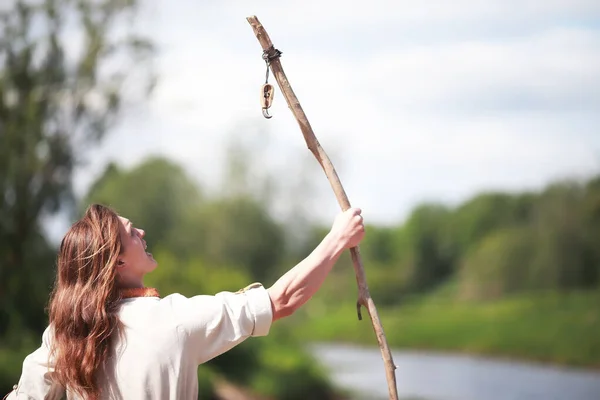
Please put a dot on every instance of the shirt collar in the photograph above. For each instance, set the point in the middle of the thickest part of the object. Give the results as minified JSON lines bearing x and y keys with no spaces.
{"x":128,"y":293}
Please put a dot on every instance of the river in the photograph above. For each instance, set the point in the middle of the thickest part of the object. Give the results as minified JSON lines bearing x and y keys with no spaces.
{"x":430,"y":376}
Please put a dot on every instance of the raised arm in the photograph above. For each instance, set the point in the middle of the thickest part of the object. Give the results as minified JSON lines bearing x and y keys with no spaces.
{"x":211,"y":325}
{"x":300,"y":283}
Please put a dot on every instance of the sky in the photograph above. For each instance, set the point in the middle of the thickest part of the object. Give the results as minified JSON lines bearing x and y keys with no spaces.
{"x":413,"y":101}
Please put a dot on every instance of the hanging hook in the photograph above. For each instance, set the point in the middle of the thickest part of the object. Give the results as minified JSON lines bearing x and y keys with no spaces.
{"x":267,"y":91}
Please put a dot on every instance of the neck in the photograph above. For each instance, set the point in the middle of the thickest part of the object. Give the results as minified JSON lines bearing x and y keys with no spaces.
{"x":130,"y":282}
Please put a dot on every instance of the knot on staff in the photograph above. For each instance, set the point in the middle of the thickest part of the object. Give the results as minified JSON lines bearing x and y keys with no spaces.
{"x":271,"y":57}
{"x":271,"y":53}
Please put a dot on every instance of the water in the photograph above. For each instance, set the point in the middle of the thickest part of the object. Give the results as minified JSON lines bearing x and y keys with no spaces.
{"x":431,"y":376}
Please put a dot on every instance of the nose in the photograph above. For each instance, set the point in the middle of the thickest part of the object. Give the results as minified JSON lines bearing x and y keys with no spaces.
{"x":141,"y":232}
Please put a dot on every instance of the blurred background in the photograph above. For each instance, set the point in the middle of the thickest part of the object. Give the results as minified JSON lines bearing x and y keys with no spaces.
{"x":468,"y":132}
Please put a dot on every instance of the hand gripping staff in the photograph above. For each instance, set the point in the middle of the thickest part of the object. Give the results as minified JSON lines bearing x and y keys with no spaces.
{"x":271,"y":56}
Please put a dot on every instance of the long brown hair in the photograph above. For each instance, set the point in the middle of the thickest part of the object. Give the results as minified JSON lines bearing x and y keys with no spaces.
{"x":84,"y":301}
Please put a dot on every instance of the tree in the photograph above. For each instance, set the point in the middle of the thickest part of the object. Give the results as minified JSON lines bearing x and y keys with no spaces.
{"x":430,"y":252}
{"x":156,"y":195}
{"x":564,"y":258}
{"x":591,"y":221}
{"x":379,"y":245}
{"x":553,"y":248}
{"x":56,"y":102}
{"x":501,"y":263}
{"x":240,"y":231}
{"x":487,"y":212}
{"x":159,"y":197}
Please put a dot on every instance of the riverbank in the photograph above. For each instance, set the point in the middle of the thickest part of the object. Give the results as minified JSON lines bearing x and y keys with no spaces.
{"x":550,"y":327}
{"x":359,"y":369}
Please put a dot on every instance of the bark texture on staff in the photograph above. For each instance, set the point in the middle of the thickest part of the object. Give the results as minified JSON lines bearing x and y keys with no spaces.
{"x":364,"y":297}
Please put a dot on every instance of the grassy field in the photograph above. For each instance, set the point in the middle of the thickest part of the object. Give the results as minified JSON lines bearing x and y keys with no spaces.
{"x":548,"y":327}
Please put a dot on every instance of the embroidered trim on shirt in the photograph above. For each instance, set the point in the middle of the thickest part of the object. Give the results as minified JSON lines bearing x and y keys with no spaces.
{"x":129,"y":293}
{"x":251,"y":286}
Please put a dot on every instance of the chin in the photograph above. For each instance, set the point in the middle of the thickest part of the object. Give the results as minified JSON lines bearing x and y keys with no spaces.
{"x":152,"y":263}
{"x":152,"y":266}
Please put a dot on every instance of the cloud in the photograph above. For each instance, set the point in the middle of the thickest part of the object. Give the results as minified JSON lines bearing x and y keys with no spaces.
{"x":320,"y":14}
{"x":554,"y":70}
{"x":413,"y":101}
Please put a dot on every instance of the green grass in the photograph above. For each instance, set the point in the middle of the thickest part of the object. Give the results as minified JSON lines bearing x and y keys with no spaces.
{"x":548,"y":327}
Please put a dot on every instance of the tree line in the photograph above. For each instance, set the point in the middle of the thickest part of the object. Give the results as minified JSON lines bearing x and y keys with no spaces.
{"x":57,"y":104}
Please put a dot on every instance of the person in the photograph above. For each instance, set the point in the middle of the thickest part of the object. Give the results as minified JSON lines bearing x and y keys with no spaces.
{"x":110,"y":337}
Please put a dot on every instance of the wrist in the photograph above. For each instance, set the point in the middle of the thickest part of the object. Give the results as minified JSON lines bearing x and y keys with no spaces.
{"x":334,"y":243}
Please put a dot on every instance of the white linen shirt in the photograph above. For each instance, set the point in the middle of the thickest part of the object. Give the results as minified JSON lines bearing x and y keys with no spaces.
{"x":164,"y":342}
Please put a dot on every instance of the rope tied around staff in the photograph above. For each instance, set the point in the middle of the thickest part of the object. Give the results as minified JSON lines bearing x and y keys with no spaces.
{"x":267,"y":90}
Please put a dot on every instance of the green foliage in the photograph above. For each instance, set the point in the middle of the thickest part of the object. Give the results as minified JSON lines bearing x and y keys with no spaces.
{"x":156,"y":196}
{"x":239,"y":231}
{"x":529,"y":256}
{"x":387,"y":285}
{"x":193,"y":276}
{"x":55,"y":103}
{"x":563,"y":253}
{"x":554,"y":248}
{"x":561,"y":328}
{"x":591,"y":228}
{"x":206,"y":383}
{"x":379,"y":245}
{"x":492,"y":245}
{"x":289,"y":373}
{"x":500,"y":264}
{"x":160,"y":198}
{"x":430,"y":253}
{"x":486,"y":213}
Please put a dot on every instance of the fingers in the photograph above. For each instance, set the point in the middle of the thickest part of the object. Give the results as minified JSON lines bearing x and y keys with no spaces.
{"x":349,"y":225}
{"x":353,"y":214}
{"x":354,"y":211}
{"x":357,"y":217}
{"x":361,"y":224}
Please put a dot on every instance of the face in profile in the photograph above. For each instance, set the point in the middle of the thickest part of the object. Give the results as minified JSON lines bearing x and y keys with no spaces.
{"x":134,"y":261}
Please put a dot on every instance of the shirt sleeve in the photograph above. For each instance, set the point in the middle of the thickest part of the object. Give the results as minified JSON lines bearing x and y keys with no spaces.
{"x":36,"y":376}
{"x":212,"y":325}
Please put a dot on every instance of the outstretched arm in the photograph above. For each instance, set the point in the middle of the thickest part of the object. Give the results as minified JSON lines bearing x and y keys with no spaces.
{"x":212,"y":325}
{"x":300,"y":283}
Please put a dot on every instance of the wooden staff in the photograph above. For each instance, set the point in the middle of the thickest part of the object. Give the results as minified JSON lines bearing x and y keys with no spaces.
{"x":271,"y":55}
